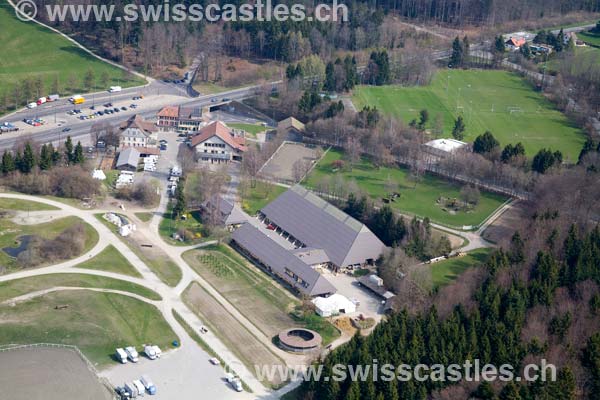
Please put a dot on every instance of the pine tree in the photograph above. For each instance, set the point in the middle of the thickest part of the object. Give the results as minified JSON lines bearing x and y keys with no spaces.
{"x":330,"y":83}
{"x":45,"y":158}
{"x":179,"y":208}
{"x":8,"y":162}
{"x":69,"y":150}
{"x":78,"y":157}
{"x":456,"y":59}
{"x":28,"y":161}
{"x":485,"y":143}
{"x":458,"y":132}
{"x":510,"y":392}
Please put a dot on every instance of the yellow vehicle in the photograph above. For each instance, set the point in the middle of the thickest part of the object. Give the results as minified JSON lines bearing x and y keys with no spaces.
{"x":77,"y":99}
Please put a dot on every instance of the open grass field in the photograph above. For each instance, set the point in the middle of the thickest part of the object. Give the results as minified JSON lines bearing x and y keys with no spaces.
{"x":157,"y":260}
{"x":112,"y":261}
{"x":30,"y":50}
{"x":229,"y":330}
{"x":24,"y":205}
{"x":20,"y":287}
{"x":446,"y":271}
{"x":498,"y":101}
{"x":11,"y":232}
{"x":590,"y":38}
{"x":255,"y":197}
{"x":420,"y":200}
{"x":95,"y":322}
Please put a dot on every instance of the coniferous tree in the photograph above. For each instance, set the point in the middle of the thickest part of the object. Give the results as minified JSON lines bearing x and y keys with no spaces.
{"x":69,"y":150}
{"x":28,"y":161}
{"x":458,"y":132}
{"x":45,"y":162}
{"x":8,"y":162}
{"x":456,"y":59}
{"x":78,"y":157}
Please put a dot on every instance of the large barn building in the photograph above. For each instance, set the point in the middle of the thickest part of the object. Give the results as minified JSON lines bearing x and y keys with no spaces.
{"x":299,"y":234}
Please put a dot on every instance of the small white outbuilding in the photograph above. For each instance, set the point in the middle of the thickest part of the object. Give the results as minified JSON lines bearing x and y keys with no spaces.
{"x":99,"y":175}
{"x":333,"y":305}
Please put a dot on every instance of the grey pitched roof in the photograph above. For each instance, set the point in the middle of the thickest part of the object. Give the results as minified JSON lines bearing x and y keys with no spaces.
{"x":230,"y":214}
{"x":130,"y":156}
{"x":318,"y":224}
{"x":311,"y":256}
{"x":282,"y":261}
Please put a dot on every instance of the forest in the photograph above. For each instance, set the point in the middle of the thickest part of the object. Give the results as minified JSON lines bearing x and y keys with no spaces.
{"x":537,"y":299}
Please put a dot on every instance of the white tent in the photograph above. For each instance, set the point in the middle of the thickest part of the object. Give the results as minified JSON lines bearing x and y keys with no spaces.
{"x":333,"y":305}
{"x":98,"y":174}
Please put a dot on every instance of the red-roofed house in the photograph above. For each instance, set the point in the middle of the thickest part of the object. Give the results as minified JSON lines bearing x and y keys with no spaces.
{"x":180,"y":119}
{"x":515,"y":43}
{"x":217,"y":143}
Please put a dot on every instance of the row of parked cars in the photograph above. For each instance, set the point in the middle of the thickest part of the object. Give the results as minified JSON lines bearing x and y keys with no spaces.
{"x":138,"y":387}
{"x":34,"y":122}
{"x":8,"y":127}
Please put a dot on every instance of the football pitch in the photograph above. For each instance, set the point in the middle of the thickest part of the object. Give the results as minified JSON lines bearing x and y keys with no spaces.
{"x":498,"y":101}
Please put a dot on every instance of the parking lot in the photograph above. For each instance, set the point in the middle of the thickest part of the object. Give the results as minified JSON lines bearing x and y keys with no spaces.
{"x":184,"y":373}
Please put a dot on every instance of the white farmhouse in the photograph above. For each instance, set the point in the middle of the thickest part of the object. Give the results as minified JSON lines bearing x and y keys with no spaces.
{"x":216,"y":143}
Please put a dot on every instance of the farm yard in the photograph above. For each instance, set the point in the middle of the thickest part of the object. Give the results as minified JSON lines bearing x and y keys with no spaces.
{"x":498,"y":101}
{"x":428,"y":197}
{"x":30,"y":50}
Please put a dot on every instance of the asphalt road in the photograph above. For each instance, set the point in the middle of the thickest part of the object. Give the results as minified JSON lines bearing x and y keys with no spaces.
{"x":80,"y":130}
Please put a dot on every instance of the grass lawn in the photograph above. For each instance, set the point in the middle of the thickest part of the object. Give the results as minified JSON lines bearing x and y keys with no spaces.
{"x":112,"y":261}
{"x":97,"y":323}
{"x":193,"y":224}
{"x":446,"y":271}
{"x":10,"y":233}
{"x":255,"y":198}
{"x":420,"y":200}
{"x":30,"y":50}
{"x":19,"y":287}
{"x":590,"y":38}
{"x":251,"y":129}
{"x":158,"y":261}
{"x":485,"y":100}
{"x":144,"y":216}
{"x":24,"y":205}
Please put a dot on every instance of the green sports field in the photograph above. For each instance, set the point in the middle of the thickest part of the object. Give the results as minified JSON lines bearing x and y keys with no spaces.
{"x":498,"y":101}
{"x":420,"y":200}
{"x":28,"y":50}
{"x":590,"y":38}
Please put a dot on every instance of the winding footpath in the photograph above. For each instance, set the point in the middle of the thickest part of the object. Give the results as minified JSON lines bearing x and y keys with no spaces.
{"x":171,"y":299}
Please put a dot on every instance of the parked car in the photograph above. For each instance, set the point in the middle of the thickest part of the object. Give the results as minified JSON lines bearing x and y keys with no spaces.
{"x":67,"y":130}
{"x":123,"y":108}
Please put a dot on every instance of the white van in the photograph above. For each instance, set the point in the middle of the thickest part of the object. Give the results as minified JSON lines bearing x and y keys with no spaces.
{"x":115,"y":89}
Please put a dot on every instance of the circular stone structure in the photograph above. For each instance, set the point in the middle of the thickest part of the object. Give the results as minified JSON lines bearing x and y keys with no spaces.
{"x":300,"y":340}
